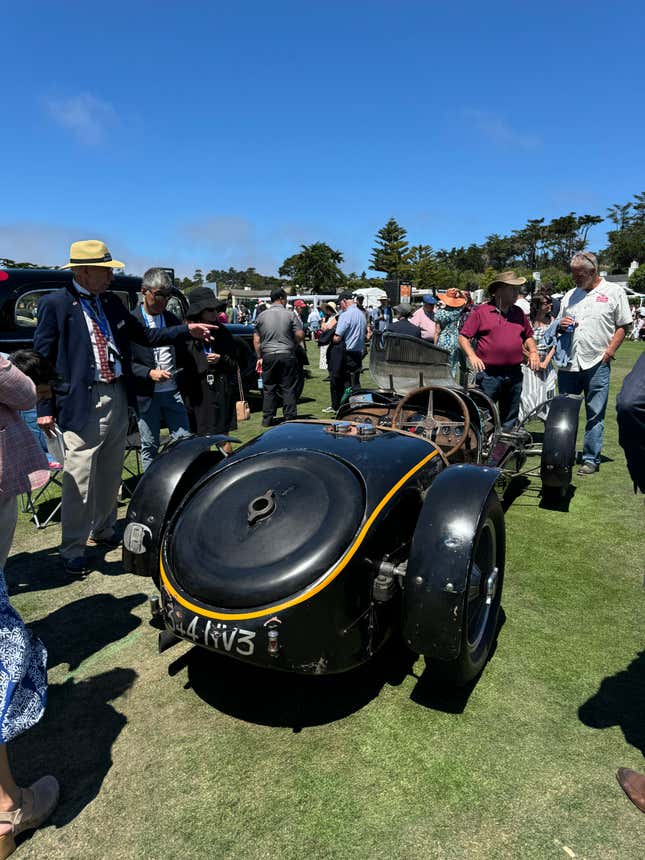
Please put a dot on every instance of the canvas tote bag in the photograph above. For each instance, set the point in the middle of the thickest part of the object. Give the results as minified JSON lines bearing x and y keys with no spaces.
{"x":242,"y":408}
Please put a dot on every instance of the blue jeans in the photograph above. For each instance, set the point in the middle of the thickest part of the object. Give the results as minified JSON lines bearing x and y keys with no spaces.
{"x":30,"y":418}
{"x":503,"y":384}
{"x":166,"y":406}
{"x":594,"y":384}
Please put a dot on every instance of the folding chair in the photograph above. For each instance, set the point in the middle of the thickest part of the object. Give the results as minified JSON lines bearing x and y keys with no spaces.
{"x":132,"y":446}
{"x":51,"y":492}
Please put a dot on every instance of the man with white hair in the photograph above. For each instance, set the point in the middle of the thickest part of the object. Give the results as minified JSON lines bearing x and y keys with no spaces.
{"x":598,"y":315}
{"x":155,"y":369}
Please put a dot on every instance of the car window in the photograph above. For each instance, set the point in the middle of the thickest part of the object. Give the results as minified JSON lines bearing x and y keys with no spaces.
{"x":26,"y":309}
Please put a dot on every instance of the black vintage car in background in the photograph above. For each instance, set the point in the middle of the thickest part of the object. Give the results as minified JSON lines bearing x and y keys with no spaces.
{"x":22,"y":289}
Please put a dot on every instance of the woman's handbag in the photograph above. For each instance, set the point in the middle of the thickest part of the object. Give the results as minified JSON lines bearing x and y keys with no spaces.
{"x":326,"y":337}
{"x":242,"y":408}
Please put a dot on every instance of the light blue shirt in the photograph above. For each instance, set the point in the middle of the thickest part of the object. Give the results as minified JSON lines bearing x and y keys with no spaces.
{"x":352,"y":327}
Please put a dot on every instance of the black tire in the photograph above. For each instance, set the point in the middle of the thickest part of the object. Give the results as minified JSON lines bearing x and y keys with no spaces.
{"x":480,"y":618}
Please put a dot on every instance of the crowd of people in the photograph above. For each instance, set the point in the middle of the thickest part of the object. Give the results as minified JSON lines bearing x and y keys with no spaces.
{"x":185,"y":376}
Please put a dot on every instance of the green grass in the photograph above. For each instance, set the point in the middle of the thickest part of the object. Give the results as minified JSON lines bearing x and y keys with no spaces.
{"x":189,"y":755}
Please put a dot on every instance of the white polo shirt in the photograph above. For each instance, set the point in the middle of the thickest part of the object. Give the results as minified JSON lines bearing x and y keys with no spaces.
{"x":598,"y":313}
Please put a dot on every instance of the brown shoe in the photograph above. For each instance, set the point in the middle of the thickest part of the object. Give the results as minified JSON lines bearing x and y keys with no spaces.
{"x":633,"y":784}
{"x":36,"y":805}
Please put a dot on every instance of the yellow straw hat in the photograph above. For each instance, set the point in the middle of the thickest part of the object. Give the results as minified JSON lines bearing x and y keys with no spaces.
{"x":91,"y":252}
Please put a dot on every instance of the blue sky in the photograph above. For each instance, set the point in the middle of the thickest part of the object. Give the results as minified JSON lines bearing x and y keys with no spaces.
{"x":215,"y":135}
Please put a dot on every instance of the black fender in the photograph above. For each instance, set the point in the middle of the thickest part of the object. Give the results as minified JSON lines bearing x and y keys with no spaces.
{"x":440,"y":558}
{"x":559,"y":444}
{"x":161,"y":488}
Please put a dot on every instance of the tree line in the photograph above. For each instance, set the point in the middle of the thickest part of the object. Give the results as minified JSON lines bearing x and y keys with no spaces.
{"x":539,"y":245}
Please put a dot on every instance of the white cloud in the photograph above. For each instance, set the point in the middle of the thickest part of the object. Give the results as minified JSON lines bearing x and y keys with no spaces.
{"x":497,"y":129}
{"x":85,"y":116}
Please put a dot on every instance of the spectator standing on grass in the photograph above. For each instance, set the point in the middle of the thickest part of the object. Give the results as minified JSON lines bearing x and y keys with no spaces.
{"x":278,"y":332}
{"x":424,"y":317}
{"x":403,"y":325}
{"x":86,"y":332}
{"x":159,"y":401}
{"x":313,"y":322}
{"x":384,"y":314}
{"x":538,"y":386}
{"x":447,"y":320}
{"x":211,"y":369}
{"x":504,"y":336}
{"x":346,"y":356}
{"x":330,"y":318}
{"x":23,"y":658}
{"x":23,"y":464}
{"x":598,"y":313}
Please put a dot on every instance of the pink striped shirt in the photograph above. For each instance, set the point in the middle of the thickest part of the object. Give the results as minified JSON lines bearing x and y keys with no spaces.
{"x":23,"y":464}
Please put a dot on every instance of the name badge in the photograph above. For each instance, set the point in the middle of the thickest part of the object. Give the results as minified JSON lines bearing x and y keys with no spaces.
{"x":602,"y":298}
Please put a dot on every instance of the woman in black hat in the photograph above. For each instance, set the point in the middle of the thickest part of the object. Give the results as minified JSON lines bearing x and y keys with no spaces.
{"x":211,"y":371}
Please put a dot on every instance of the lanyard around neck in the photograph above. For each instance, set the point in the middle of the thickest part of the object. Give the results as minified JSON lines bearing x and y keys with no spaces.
{"x":148,"y":319}
{"x":94,"y":308}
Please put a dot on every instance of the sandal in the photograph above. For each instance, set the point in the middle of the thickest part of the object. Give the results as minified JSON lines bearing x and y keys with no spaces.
{"x":45,"y":794}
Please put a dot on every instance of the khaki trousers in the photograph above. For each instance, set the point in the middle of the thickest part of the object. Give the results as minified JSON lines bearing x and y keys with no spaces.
{"x":93,"y":468}
{"x":8,"y":520}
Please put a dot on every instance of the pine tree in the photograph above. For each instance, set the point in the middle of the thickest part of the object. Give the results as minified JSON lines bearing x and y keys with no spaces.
{"x":391,"y":253}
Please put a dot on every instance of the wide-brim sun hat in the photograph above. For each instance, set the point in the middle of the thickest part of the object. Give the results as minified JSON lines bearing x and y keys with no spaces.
{"x":91,"y":252}
{"x":201,"y":299}
{"x":505,"y":279}
{"x":453,"y":298}
{"x":331,"y":305}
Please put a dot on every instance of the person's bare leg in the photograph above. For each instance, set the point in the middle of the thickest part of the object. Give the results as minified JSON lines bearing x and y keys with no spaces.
{"x":10,"y":794}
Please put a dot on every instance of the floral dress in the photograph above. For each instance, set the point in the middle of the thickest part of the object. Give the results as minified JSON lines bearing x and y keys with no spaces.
{"x":23,"y":672}
{"x":448,"y":320}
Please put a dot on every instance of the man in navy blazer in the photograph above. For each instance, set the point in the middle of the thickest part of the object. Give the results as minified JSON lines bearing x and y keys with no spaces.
{"x":86,"y":332}
{"x":403,"y":324}
{"x":158,"y":370}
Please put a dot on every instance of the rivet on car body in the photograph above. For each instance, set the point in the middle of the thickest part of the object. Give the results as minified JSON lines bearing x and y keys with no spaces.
{"x":449,"y":587}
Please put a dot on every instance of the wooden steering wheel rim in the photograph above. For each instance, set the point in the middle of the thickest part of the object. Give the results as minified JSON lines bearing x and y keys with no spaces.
{"x":396,"y":415}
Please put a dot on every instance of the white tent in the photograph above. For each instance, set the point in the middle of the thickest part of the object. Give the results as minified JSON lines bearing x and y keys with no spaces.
{"x":371,"y":295}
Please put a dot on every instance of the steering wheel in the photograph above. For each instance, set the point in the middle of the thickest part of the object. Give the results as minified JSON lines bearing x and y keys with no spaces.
{"x":429,"y":424}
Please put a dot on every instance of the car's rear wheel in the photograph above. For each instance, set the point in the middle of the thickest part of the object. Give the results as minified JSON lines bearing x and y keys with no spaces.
{"x":482,"y":599}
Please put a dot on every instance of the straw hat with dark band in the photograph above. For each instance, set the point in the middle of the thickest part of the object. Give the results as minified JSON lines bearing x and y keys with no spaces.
{"x":91,"y":252}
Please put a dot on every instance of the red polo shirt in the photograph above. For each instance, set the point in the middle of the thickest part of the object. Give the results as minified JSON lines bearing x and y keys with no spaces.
{"x":500,"y":336}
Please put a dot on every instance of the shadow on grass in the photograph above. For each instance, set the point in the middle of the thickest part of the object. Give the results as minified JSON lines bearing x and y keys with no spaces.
{"x":74,"y":739}
{"x":534,"y":495}
{"x":620,"y":701}
{"x":432,"y":691}
{"x":283,"y":699}
{"x":76,"y":631}
{"x":42,"y":570}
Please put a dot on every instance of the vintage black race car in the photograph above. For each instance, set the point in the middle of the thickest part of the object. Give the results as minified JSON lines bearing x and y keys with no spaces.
{"x":311,"y":545}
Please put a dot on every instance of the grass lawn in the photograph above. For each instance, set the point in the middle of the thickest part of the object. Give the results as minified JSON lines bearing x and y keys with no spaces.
{"x":187,"y":754}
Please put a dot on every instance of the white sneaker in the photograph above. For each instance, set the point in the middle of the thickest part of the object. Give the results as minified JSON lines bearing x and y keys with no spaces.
{"x":329,"y":410}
